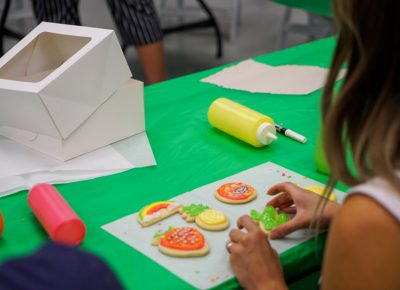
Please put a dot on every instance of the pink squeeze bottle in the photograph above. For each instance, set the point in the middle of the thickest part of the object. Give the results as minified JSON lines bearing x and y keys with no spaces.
{"x":55,"y":215}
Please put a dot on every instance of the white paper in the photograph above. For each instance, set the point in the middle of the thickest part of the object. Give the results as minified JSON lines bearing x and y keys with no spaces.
{"x":21,"y":167}
{"x":256,"y":77}
{"x":213,"y":269}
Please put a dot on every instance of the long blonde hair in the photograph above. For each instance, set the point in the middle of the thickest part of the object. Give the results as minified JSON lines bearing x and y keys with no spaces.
{"x":364,"y":116}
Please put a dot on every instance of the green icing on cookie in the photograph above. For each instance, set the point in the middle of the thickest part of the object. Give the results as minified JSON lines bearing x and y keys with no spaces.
{"x":194,"y":209}
{"x":161,"y":233}
{"x":255,"y":215}
{"x":269,"y":224}
{"x":269,"y":211}
{"x":269,"y":218}
{"x":282,"y":218}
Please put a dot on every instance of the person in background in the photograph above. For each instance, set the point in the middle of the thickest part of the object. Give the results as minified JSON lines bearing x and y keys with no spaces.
{"x":363,"y":246}
{"x":57,"y":267}
{"x":136,"y":21}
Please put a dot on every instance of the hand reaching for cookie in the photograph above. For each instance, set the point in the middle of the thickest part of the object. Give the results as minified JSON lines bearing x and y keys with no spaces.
{"x":253,"y":260}
{"x":305,"y":202}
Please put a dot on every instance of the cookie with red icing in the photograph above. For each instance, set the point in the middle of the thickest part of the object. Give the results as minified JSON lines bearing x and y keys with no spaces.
{"x":157,"y":211}
{"x":181,"y":242}
{"x":235,"y":193}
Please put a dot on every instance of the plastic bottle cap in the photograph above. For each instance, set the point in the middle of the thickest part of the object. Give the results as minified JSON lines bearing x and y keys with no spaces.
{"x":55,"y":215}
{"x":70,"y":232}
{"x":266,"y":133}
{"x":1,"y":224}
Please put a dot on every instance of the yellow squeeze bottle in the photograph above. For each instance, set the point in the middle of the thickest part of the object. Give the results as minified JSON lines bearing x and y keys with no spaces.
{"x":241,"y":122}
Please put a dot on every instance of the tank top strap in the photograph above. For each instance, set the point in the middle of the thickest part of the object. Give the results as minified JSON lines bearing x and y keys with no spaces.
{"x":382,"y":192}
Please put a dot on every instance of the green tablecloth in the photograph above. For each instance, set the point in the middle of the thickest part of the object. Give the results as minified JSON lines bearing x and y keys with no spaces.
{"x":190,"y":153}
{"x":320,"y":7}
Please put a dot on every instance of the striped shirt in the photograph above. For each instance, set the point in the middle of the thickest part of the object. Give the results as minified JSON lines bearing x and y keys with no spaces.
{"x":136,"y":20}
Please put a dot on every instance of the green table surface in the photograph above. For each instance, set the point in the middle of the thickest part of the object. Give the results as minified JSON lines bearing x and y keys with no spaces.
{"x":190,"y":153}
{"x":320,"y":7}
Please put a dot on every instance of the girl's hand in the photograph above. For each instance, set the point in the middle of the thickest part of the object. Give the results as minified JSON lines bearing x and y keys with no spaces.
{"x":294,"y":200}
{"x":254,"y":262}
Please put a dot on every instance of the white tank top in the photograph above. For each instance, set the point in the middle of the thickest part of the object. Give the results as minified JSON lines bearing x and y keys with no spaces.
{"x":382,"y":192}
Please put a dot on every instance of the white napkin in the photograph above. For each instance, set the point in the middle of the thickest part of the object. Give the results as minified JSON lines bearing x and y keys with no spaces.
{"x":21,"y":167}
{"x":256,"y":77}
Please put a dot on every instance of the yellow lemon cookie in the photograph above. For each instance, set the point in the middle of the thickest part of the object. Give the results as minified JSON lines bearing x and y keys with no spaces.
{"x":212,"y":220}
{"x":320,"y":190}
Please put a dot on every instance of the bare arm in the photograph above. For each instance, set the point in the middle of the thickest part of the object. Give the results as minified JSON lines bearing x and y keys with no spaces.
{"x":363,"y":248}
{"x":152,"y":59}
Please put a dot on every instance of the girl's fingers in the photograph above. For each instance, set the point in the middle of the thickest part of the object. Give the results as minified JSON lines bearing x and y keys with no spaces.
{"x":236,"y":235}
{"x":246,"y":222}
{"x":286,"y":187}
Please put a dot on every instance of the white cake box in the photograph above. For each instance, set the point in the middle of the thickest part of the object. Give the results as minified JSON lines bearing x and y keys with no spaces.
{"x":66,"y":90}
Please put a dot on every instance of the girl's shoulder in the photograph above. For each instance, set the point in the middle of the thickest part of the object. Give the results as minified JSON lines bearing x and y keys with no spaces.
{"x":363,"y":249}
{"x":363,"y":214}
{"x":382,"y":192}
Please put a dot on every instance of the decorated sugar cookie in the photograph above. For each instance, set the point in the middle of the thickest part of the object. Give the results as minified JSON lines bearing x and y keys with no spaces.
{"x":320,"y":190}
{"x":212,"y":220}
{"x":156,"y":211}
{"x":181,"y":242}
{"x":269,"y":218}
{"x":235,"y":193}
{"x":190,"y":212}
{"x":158,"y":236}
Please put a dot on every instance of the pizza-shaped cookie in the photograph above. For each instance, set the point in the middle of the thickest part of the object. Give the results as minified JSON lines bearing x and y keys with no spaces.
{"x":181,"y":242}
{"x":190,"y":211}
{"x":235,"y":193}
{"x":156,"y":211}
{"x":212,"y":220}
{"x":320,"y":190}
{"x":268,"y":218}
